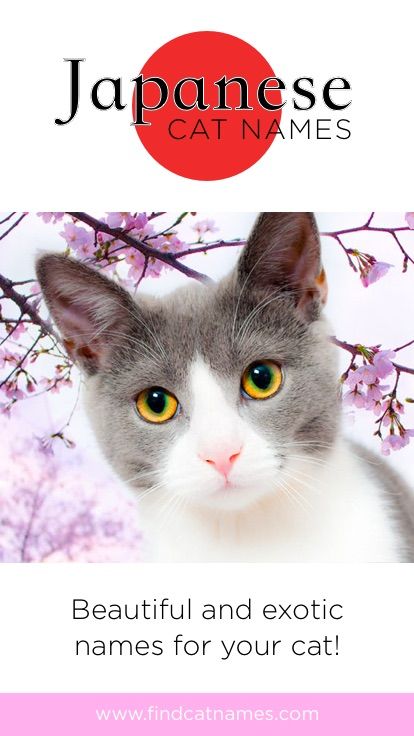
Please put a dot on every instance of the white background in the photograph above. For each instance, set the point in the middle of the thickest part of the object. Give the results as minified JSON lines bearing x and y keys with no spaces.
{"x":97,"y":163}
{"x":37,"y":633}
{"x":97,"y":158}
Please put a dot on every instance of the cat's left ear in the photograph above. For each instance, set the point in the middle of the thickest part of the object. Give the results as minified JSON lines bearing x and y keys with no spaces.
{"x":91,"y":312}
{"x":283,"y":252}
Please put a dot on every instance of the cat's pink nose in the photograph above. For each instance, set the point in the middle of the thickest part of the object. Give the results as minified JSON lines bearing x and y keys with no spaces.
{"x":222,"y":460}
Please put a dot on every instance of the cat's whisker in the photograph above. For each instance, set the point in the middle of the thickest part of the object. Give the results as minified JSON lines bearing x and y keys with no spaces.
{"x":241,"y":292}
{"x":180,"y":508}
{"x":290,"y":493}
{"x":301,"y":474}
{"x":294,"y":291}
{"x":142,"y":475}
{"x":314,"y":444}
{"x":151,"y":490}
{"x":172,"y":507}
{"x":241,"y":333}
{"x":161,"y":515}
{"x":268,"y":299}
{"x":307,"y":502}
{"x":143,"y":346}
{"x":137,"y":318}
{"x":319,"y":462}
{"x":308,"y":443}
{"x":302,"y":483}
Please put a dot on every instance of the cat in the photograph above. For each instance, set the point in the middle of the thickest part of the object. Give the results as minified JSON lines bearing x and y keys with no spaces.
{"x":219,"y":405}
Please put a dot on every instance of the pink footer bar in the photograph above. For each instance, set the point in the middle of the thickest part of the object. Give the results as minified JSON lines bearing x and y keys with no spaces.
{"x":322,"y":714}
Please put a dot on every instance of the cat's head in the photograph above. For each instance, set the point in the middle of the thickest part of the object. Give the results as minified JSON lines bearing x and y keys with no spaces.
{"x":213,"y":392}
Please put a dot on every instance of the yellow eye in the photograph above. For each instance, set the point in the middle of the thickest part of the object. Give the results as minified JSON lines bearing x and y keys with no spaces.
{"x":156,"y":405}
{"x":262,"y":379}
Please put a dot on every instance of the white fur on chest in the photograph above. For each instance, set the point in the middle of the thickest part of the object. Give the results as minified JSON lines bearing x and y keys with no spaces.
{"x":339,"y":516}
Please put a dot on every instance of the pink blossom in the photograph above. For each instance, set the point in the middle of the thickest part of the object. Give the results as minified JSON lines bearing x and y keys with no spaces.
{"x":375,"y":407}
{"x":353,"y":378}
{"x":205,"y":226}
{"x":374,"y":403}
{"x":79,"y":239}
{"x":51,"y":216}
{"x":355,"y":398}
{"x":368,"y":374}
{"x":382,"y":362}
{"x":126,"y":220}
{"x":19,"y":330}
{"x":7,"y":357}
{"x":168,"y":243}
{"x":58,"y":510}
{"x":139,"y":222}
{"x":374,"y":273}
{"x":172,"y":243}
{"x":142,"y":229}
{"x":86,"y":250}
{"x":103,"y":238}
{"x":53,"y":385}
{"x":155,"y":267}
{"x":391,"y":410}
{"x":12,"y":391}
{"x":387,"y":418}
{"x":115,"y":219}
{"x":396,"y":442}
{"x":136,"y":260}
{"x":392,"y":442}
{"x":409,"y":218}
{"x":375,"y":392}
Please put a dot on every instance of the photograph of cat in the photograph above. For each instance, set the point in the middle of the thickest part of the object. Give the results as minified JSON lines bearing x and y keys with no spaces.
{"x":220,"y":405}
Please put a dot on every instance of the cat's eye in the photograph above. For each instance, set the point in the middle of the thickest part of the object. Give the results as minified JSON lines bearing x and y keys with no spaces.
{"x":156,"y":405}
{"x":261,"y":379}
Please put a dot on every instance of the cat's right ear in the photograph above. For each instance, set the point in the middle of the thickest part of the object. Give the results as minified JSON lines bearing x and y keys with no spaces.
{"x":89,"y":310}
{"x":283,"y":253}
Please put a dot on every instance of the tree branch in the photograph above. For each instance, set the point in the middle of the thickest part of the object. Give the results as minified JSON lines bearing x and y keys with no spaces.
{"x":15,"y":224}
{"x":119,"y":234}
{"x":367,"y":227}
{"x":209,"y":246}
{"x":7,"y":286}
{"x":355,"y":350}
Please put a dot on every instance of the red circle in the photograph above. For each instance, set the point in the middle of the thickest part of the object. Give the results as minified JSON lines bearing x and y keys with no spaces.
{"x":192,"y":143}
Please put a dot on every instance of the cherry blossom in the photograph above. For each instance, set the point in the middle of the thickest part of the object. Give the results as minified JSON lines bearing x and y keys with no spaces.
{"x":57,"y":516}
{"x":52,"y":217}
{"x":79,"y":239}
{"x":374,"y":272}
{"x":205,"y":226}
{"x":396,"y":441}
{"x":409,"y":217}
{"x":383,"y":362}
{"x":365,"y":391}
{"x":356,"y":398}
{"x":17,"y":330}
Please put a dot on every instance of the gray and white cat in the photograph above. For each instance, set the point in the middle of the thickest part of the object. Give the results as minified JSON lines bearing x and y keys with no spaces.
{"x":220,"y":406}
